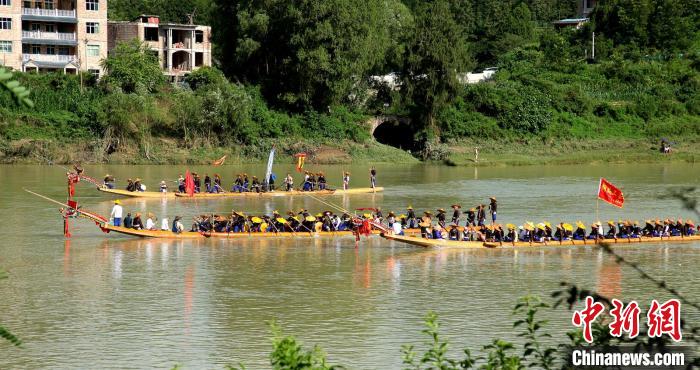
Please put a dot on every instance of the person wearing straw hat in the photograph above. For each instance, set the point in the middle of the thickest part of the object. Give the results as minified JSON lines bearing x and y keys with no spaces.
{"x":425,"y":224}
{"x":197,"y":182}
{"x":511,"y":235}
{"x":471,"y":216}
{"x":580,"y":232}
{"x":108,"y":181}
{"x":455,"y":214}
{"x":612,"y":230}
{"x":116,"y":214}
{"x":411,"y":220}
{"x":130,"y":185}
{"x":150,"y":221}
{"x":346,"y":180}
{"x":255,"y":185}
{"x":163,"y":188}
{"x":689,"y":228}
{"x":441,"y":217}
{"x":481,"y":215}
{"x":454,"y":233}
{"x":237,"y":184}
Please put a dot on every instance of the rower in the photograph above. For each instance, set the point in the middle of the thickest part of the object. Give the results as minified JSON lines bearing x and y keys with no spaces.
{"x":312,"y":181}
{"x":207,"y":183}
{"x":321,"y":181}
{"x":255,"y":186}
{"x":455,"y":214}
{"x":197,"y":183}
{"x":165,"y":224}
{"x":373,"y":177}
{"x":480,"y":214}
{"x":138,"y":186}
{"x":108,"y":181}
{"x":130,"y":185}
{"x":611,"y":231}
{"x":217,"y":184}
{"x":580,"y":232}
{"x":163,"y":187}
{"x":289,"y":182}
{"x":471,"y":216}
{"x":426,"y":223}
{"x":441,"y":217}
{"x":137,"y":223}
{"x":379,"y":215}
{"x":511,"y":236}
{"x":411,"y":218}
{"x":180,"y":184}
{"x":238,"y":184}
{"x":151,"y":221}
{"x":454,"y":233}
{"x":306,"y":185}
{"x":128,"y":221}
{"x":246,"y":182}
{"x":178,"y":227}
{"x":397,"y":229}
{"x":689,"y":228}
{"x":391,"y":219}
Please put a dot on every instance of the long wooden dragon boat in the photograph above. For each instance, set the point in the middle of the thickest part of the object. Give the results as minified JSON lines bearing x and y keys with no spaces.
{"x":428,"y":243}
{"x":171,"y":195}
{"x":165,"y":234}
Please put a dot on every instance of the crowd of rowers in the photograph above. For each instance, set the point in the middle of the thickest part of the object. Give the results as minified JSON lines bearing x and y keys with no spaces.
{"x":243,"y":183}
{"x":469,"y":225}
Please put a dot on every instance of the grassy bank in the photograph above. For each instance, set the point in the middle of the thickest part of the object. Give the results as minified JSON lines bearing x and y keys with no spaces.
{"x":538,"y":152}
{"x":169,"y":151}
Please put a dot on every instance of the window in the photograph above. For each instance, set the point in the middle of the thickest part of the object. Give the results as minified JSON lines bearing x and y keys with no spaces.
{"x":150,"y":33}
{"x":36,"y":49}
{"x":94,"y":72}
{"x":36,"y":26}
{"x":50,"y":49}
{"x":48,"y":4}
{"x":5,"y":23}
{"x":93,"y":50}
{"x":5,"y":46}
{"x":5,"y":2}
{"x":199,"y":37}
{"x":93,"y":27}
{"x":63,"y":50}
{"x":92,"y":5}
{"x":49,"y":27}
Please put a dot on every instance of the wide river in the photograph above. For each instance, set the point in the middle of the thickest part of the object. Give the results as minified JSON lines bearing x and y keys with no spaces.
{"x":108,"y":301}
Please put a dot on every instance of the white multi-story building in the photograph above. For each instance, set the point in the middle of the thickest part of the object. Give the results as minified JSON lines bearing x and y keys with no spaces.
{"x":53,"y":35}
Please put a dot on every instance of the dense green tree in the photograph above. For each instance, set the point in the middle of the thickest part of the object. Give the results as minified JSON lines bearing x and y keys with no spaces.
{"x":168,"y":10}
{"x":666,"y":25}
{"x":499,"y":27}
{"x":436,"y":53}
{"x":132,"y":68}
{"x":307,"y":53}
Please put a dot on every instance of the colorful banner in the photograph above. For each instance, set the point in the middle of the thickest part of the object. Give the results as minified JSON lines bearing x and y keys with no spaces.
{"x":610,"y":193}
{"x":301,"y":157}
{"x":268,"y":173}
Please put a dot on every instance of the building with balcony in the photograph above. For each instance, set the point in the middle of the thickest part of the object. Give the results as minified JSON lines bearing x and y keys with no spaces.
{"x":181,"y":48}
{"x":53,"y":35}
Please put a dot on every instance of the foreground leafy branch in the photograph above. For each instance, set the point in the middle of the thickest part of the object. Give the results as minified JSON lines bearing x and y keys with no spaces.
{"x":4,"y":333}
{"x":19,"y":92}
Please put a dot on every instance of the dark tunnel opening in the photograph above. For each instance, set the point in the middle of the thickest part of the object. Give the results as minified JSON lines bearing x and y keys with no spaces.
{"x":397,"y":134}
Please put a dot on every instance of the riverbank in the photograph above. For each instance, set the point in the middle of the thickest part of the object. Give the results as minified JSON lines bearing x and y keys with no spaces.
{"x":506,"y":152}
{"x":537,"y":152}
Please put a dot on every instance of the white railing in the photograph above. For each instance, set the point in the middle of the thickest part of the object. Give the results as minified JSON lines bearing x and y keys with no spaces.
{"x":50,"y":58}
{"x":49,"y":12}
{"x":63,"y":36}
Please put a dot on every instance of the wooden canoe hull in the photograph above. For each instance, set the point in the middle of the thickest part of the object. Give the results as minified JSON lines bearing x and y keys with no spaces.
{"x":282,"y":193}
{"x":137,"y":194}
{"x":428,"y":243}
{"x":195,"y":235}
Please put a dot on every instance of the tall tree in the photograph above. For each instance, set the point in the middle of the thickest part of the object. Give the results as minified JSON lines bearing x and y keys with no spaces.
{"x":436,"y":53}
{"x":306,"y":53}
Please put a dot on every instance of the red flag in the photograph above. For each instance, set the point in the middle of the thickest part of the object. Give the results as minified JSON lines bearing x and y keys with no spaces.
{"x":301,"y":157}
{"x":610,"y":193}
{"x":189,"y":184}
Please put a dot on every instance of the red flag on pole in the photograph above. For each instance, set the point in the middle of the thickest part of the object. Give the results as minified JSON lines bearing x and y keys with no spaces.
{"x":610,"y":193}
{"x":189,"y":184}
